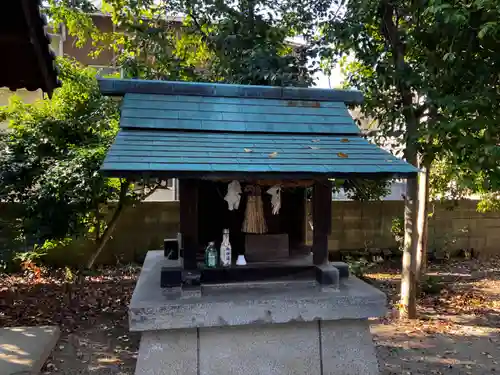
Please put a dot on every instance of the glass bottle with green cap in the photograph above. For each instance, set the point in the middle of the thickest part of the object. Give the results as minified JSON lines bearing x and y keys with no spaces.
{"x":211,"y":255}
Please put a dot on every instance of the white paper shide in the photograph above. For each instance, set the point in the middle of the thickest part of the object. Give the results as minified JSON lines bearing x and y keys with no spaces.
{"x":233,"y":195}
{"x":275,"y":193}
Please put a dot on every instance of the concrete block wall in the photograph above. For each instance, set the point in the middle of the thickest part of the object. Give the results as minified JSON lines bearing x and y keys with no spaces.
{"x":456,"y":225}
{"x":355,"y":226}
{"x":142,"y":228}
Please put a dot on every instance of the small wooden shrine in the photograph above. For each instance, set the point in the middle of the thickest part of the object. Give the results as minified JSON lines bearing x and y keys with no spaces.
{"x":250,"y":142}
{"x":246,"y":158}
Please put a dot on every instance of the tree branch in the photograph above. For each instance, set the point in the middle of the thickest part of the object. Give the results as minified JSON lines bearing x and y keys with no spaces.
{"x":204,"y":35}
{"x":106,"y":235}
{"x":392,"y":37}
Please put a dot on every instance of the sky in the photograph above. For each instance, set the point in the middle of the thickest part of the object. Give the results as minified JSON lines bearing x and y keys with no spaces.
{"x":325,"y":82}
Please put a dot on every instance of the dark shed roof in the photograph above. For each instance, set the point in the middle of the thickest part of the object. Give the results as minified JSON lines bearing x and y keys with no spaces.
{"x":27,"y":61}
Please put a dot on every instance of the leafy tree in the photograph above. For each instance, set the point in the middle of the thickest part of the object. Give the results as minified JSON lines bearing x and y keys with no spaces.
{"x":429,"y":73}
{"x":50,"y":164}
{"x":244,"y":41}
{"x":248,"y":40}
{"x":466,"y":99}
{"x":363,"y":190}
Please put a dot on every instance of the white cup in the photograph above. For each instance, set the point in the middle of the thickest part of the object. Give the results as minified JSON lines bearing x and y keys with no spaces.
{"x":240,"y":261}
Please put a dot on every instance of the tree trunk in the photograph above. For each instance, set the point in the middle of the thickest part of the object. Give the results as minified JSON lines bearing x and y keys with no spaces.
{"x":106,"y":235}
{"x":389,"y":28}
{"x":408,"y":303}
{"x":97,"y":223}
{"x":422,"y":221}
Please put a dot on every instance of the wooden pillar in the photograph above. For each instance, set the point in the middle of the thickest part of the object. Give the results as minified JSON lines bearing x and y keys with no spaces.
{"x":188,"y":201}
{"x":322,"y":220}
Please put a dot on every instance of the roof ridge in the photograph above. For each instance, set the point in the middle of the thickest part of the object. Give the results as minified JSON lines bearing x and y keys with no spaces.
{"x":120,"y":87}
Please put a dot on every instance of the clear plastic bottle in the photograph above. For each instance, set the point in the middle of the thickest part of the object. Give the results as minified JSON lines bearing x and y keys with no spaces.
{"x":211,"y":255}
{"x":225,"y":249}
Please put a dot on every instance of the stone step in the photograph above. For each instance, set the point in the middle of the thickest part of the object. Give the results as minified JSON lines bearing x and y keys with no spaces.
{"x":24,"y":350}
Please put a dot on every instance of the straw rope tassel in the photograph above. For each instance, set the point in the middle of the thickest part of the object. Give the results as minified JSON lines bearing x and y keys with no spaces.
{"x":254,"y":221}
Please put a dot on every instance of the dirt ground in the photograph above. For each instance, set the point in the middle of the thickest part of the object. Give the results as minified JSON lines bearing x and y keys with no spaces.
{"x":458,"y":331}
{"x":93,"y":319}
{"x":459,"y":328}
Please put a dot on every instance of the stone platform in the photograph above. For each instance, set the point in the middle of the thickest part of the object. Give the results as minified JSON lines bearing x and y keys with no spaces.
{"x":24,"y":350}
{"x":272,"y":327}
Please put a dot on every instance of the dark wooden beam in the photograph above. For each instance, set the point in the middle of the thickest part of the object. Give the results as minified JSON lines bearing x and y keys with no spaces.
{"x":188,"y":199}
{"x":322,"y":220}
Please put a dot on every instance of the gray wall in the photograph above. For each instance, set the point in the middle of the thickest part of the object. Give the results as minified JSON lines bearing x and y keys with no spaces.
{"x":355,"y":226}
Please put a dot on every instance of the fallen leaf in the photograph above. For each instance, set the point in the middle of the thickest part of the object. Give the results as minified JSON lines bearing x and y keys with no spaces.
{"x":487,"y":354}
{"x":273,"y":154}
{"x":344,"y":140}
{"x":248,"y":150}
{"x":342,"y":155}
{"x":50,"y":367}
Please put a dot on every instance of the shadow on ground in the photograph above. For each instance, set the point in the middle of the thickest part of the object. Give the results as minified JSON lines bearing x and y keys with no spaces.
{"x":459,"y":327}
{"x":403,"y":349}
{"x":98,"y":351}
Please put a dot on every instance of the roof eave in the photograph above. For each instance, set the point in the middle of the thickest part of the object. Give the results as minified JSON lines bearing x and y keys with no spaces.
{"x":41,"y":45}
{"x":32,"y":46}
{"x":138,"y":175}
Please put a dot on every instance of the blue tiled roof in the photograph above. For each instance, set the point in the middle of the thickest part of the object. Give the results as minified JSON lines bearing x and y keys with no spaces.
{"x":175,"y":151}
{"x":194,"y":135}
{"x":181,"y":112}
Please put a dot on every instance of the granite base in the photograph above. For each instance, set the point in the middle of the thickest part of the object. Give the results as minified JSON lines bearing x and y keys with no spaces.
{"x":268,"y":328}
{"x":310,"y":348}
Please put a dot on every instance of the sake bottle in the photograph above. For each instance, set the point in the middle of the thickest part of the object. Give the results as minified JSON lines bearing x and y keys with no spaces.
{"x":211,"y":255}
{"x":225,"y":249}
